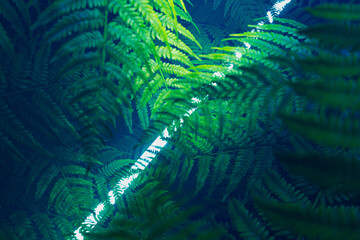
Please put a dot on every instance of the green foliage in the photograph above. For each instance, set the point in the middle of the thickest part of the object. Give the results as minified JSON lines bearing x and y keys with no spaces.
{"x":270,"y":150}
{"x":328,"y":71}
{"x":150,"y":211}
{"x":247,"y":225}
{"x":317,"y":168}
{"x":68,"y":77}
{"x":320,"y":223}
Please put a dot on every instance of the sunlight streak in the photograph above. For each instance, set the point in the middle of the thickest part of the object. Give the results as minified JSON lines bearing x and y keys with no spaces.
{"x":159,"y":143}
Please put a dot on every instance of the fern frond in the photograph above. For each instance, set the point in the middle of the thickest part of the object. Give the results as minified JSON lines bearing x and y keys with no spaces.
{"x":64,"y":225}
{"x":12,"y":16}
{"x":44,"y":225}
{"x":151,"y":17}
{"x":91,"y":39}
{"x":129,"y":15}
{"x":242,"y":165}
{"x":154,"y":86}
{"x":279,"y":28}
{"x":51,"y":109}
{"x":328,"y":172}
{"x":75,"y":22}
{"x":9,"y":148}
{"x":290,"y":22}
{"x":6,"y":44}
{"x":221,"y":165}
{"x":283,"y":40}
{"x":263,"y":161}
{"x":335,"y":34}
{"x":172,"y":69}
{"x":336,"y":11}
{"x":143,"y":114}
{"x":182,"y":30}
{"x":45,"y":180}
{"x":75,"y":64}
{"x":332,"y":66}
{"x":63,"y":7}
{"x":173,"y":40}
{"x":174,"y":55}
{"x":25,"y":229}
{"x":186,"y":169}
{"x":14,"y":128}
{"x":282,"y":189}
{"x":331,"y":131}
{"x":114,"y":163}
{"x":204,"y":163}
{"x":127,"y":115}
{"x":248,"y":226}
{"x":183,"y":14}
{"x":321,"y":223}
{"x":339,"y":93}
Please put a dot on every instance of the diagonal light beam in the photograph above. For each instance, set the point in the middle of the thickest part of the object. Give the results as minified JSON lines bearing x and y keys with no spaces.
{"x":159,"y":143}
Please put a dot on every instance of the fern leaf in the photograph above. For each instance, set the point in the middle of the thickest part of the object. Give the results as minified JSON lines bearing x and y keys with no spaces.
{"x":279,"y":28}
{"x":59,"y":188}
{"x":286,"y":41}
{"x":75,"y":22}
{"x":143,"y":114}
{"x":75,"y":170}
{"x":282,"y":189}
{"x":175,"y":55}
{"x":248,"y":226}
{"x":13,"y":18}
{"x":51,"y":109}
{"x":129,"y":15}
{"x":335,"y":34}
{"x":127,"y":114}
{"x":114,"y":168}
{"x":332,"y":66}
{"x":221,"y":164}
{"x":182,"y":30}
{"x":154,"y":86}
{"x":45,"y":180}
{"x":63,"y":7}
{"x":45,"y":225}
{"x":64,"y":225}
{"x":328,"y":131}
{"x":323,"y":223}
{"x":204,"y":163}
{"x":17,"y":131}
{"x":9,"y":147}
{"x":91,"y":39}
{"x":186,"y":169}
{"x":263,"y":161}
{"x":26,"y":228}
{"x":6,"y":44}
{"x":150,"y":15}
{"x":337,"y":93}
{"x":173,"y":40}
{"x":75,"y":64}
{"x":183,"y":14}
{"x":329,"y":172}
{"x":173,"y":69}
{"x":336,"y":11}
{"x":202,"y":144}
{"x":244,"y":161}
